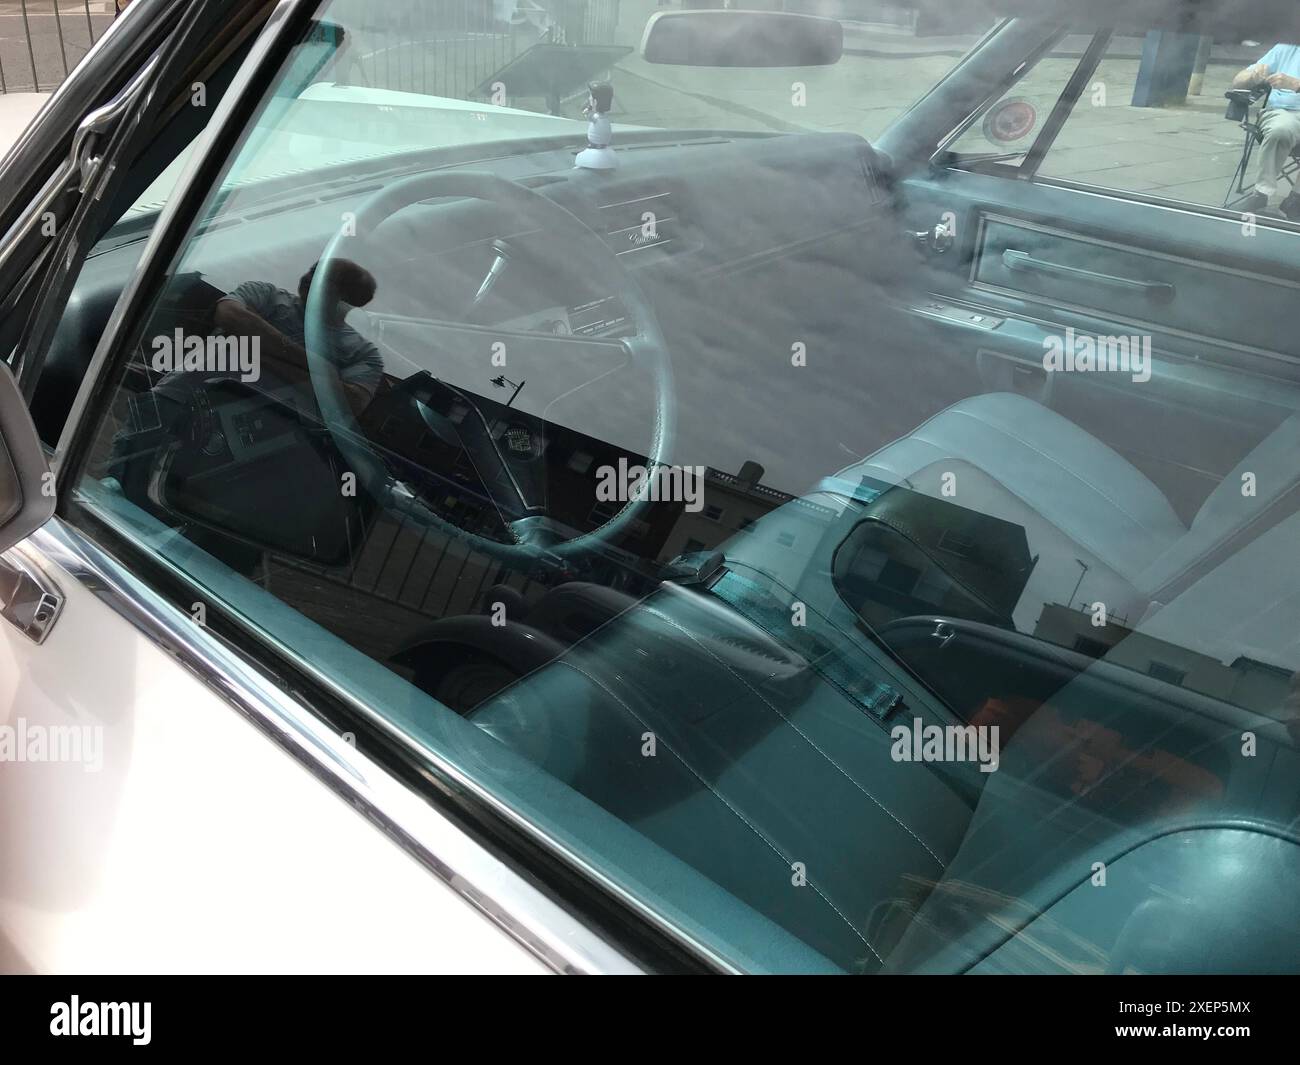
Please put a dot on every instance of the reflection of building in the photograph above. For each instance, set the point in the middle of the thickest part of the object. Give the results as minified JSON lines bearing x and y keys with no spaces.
{"x":917,"y":554}
{"x":733,"y":504}
{"x":1244,"y":682}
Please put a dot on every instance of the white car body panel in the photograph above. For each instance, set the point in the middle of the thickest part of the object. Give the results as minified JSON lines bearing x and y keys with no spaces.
{"x":17,"y":109}
{"x":199,"y":844}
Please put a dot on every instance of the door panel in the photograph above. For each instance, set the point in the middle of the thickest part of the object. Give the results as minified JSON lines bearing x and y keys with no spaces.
{"x":1134,"y":285}
{"x":1224,"y":367}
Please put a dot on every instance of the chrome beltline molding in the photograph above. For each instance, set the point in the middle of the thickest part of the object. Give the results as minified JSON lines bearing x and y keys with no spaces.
{"x":516,"y":906}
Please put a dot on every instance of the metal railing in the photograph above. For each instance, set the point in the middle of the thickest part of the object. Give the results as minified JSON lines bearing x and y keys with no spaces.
{"x":443,"y":48}
{"x":42,"y":40}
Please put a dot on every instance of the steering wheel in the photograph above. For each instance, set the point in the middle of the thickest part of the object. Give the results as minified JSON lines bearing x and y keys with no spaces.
{"x":584,"y":255}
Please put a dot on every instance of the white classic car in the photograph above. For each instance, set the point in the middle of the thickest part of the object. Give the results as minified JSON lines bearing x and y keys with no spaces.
{"x":843,"y":537}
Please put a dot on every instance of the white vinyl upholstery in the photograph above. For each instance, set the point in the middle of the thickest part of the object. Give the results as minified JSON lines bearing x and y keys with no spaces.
{"x":1079,"y":502}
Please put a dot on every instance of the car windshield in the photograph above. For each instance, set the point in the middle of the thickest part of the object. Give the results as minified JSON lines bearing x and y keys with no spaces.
{"x":465,"y":72}
{"x":833,"y":477}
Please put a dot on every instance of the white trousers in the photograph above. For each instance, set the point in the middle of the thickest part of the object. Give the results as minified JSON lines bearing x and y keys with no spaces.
{"x":1281,"y":134}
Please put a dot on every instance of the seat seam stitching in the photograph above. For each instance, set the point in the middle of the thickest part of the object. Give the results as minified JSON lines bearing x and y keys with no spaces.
{"x":1055,"y":462}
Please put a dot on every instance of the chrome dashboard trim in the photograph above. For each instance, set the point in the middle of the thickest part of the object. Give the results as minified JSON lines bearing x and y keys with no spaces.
{"x":549,"y":932}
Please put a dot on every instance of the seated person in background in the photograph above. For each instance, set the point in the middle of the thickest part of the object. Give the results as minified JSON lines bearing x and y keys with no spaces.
{"x":259,"y":308}
{"x":1280,"y":69}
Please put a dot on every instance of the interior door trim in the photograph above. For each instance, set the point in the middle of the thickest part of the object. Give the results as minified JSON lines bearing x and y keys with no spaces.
{"x":977,"y":285}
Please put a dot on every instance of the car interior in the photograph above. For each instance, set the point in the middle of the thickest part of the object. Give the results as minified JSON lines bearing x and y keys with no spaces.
{"x":844,"y":341}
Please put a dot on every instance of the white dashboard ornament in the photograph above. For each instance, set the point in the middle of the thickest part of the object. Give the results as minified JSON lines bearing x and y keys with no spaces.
{"x":598,"y":155}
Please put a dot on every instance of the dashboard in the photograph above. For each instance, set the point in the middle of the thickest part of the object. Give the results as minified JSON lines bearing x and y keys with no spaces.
{"x":604,"y":316}
{"x":731,"y":238}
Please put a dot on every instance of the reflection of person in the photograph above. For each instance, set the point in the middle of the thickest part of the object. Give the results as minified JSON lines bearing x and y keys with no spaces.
{"x":263,"y":345}
{"x":1280,"y":70}
{"x":276,"y":316}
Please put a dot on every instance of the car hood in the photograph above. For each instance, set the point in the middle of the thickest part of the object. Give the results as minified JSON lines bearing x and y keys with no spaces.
{"x":380,"y":122}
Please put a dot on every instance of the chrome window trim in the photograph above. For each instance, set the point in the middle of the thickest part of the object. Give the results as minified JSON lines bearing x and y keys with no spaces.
{"x":539,"y":924}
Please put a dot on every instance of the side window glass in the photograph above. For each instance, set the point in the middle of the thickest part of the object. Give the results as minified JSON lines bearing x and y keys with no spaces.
{"x":1006,"y":130}
{"x":408,"y":411}
{"x":1157,"y":125}
{"x":1172,"y":116}
{"x":601,"y":465}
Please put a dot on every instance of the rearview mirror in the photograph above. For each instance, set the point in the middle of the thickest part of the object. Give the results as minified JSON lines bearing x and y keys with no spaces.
{"x":741,"y":39}
{"x":26,"y":489}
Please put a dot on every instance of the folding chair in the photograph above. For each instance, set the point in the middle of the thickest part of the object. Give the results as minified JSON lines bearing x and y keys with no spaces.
{"x":1246,"y":107}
